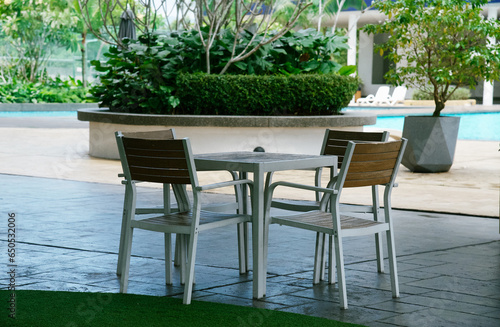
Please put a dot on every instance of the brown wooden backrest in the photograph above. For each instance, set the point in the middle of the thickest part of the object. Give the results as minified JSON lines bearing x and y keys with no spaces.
{"x":158,"y":161}
{"x":373,"y":163}
{"x":335,"y":142}
{"x":166,"y":134}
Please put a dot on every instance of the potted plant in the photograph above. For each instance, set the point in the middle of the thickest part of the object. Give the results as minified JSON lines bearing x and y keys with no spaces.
{"x":437,"y":46}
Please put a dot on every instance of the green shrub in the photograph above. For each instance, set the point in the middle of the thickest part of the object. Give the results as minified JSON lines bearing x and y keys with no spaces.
{"x":460,"y":94}
{"x":142,"y":78}
{"x":51,"y":90}
{"x":301,"y":95}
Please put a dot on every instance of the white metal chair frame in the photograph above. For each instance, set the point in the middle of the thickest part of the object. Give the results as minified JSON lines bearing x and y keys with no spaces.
{"x":363,"y":164}
{"x":169,"y":162}
{"x":335,"y":143}
{"x":166,"y":206}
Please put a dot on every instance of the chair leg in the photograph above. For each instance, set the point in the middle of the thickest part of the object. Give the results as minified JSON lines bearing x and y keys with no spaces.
{"x":183,"y":204}
{"x":317,"y":182}
{"x":125,"y":263}
{"x":127,"y":212}
{"x":188,"y":287}
{"x":168,"y":259}
{"x":177,"y":249}
{"x":319,"y":257}
{"x":168,"y":236}
{"x":380,"y":252}
{"x":182,"y":257}
{"x":331,"y":261}
{"x":379,"y":243}
{"x":392,"y":263}
{"x":243,"y":247}
{"x":242,"y":229}
{"x":323,"y":258}
{"x":339,"y":253}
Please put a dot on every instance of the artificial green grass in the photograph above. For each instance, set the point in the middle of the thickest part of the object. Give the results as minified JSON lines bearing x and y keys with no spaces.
{"x":71,"y":309}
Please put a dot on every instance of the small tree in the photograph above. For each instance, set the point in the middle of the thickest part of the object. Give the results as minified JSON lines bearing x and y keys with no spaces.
{"x":34,"y":29}
{"x":443,"y":43}
{"x":213,"y":19}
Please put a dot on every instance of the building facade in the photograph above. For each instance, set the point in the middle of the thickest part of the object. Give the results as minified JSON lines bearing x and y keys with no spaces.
{"x":372,"y":67}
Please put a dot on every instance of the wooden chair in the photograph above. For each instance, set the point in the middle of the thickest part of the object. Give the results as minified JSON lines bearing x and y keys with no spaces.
{"x":169,"y":162}
{"x":168,"y":134}
{"x":335,"y":143}
{"x":363,"y":164}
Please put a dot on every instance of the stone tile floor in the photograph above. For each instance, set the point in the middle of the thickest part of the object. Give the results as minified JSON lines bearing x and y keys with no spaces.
{"x":67,"y":236}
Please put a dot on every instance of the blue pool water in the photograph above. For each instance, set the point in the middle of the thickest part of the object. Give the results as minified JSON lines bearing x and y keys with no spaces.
{"x":38,"y":114}
{"x":475,"y":126}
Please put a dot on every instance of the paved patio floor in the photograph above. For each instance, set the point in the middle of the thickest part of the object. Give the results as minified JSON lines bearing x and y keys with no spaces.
{"x":67,"y":232}
{"x":67,"y":236}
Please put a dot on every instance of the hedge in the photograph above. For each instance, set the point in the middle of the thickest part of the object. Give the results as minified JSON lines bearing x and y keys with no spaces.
{"x":262,"y":95}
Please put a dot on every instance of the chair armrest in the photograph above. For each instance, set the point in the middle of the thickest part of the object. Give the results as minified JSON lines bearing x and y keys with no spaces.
{"x":302,"y":186}
{"x":223,"y":184}
{"x":268,"y":196}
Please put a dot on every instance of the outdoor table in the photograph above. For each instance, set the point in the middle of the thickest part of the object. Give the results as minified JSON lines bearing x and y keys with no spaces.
{"x":260,"y":163}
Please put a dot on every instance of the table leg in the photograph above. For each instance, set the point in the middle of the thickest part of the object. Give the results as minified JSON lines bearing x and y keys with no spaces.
{"x":243,"y":228}
{"x":259,"y":277}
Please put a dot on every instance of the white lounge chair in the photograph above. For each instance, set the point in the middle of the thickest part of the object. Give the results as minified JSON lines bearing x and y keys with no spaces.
{"x":398,"y":96}
{"x":382,"y":95}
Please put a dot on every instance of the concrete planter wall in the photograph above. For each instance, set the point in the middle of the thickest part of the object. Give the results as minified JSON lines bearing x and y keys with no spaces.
{"x":431,"y":143}
{"x":284,"y":134}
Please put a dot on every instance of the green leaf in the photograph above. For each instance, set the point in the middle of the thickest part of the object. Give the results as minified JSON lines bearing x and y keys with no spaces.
{"x":347,"y":70}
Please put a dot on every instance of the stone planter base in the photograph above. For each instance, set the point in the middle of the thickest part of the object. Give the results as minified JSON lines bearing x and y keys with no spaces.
{"x":222,"y":133}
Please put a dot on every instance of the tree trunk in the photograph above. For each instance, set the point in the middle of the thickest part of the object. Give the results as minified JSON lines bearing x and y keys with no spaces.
{"x":84,"y":59}
{"x":439,"y":106}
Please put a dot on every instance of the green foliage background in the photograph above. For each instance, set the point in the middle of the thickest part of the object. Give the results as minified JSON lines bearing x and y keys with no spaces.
{"x":142,"y":77}
{"x":49,"y":91}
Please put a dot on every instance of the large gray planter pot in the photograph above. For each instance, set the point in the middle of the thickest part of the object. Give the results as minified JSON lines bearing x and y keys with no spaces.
{"x":431,"y":143}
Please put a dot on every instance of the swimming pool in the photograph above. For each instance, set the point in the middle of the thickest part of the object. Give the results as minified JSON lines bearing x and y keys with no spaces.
{"x":38,"y":114}
{"x":473,"y":126}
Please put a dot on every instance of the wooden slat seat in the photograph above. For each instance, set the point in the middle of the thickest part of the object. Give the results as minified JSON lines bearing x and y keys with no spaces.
{"x":183,"y":221}
{"x":322,"y":222}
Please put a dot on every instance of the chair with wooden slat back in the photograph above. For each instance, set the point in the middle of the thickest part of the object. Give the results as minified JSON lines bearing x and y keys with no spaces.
{"x":335,"y":143}
{"x":169,"y":162}
{"x":166,"y":206}
{"x":364,"y":164}
{"x":167,"y":134}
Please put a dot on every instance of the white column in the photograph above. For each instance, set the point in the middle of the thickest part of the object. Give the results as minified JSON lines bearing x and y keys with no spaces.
{"x":352,"y":40}
{"x":488,"y":86}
